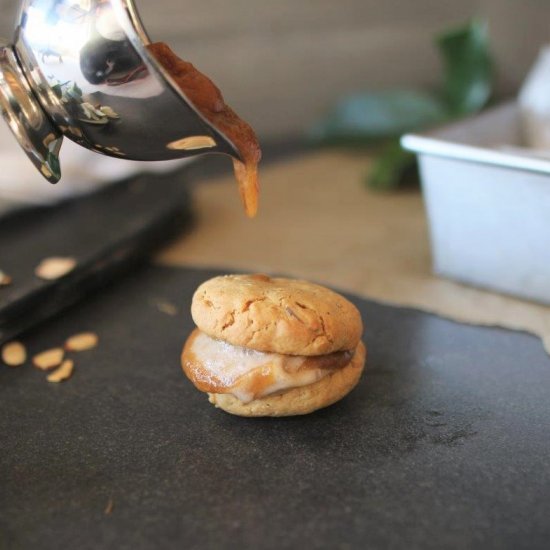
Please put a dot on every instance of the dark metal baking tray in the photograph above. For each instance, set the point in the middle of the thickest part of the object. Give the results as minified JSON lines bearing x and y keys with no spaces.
{"x":107,"y":232}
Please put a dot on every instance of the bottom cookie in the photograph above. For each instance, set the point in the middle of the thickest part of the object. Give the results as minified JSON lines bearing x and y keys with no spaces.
{"x":302,"y":400}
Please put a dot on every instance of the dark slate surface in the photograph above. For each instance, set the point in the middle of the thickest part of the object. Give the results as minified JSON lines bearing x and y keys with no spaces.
{"x":106,"y":232}
{"x":444,"y":444}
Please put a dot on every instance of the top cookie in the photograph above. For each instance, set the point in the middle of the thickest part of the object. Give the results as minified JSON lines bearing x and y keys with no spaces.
{"x":276,"y":315}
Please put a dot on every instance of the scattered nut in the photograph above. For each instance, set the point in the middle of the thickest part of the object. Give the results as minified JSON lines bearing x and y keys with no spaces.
{"x":110,"y":507}
{"x":5,"y":279}
{"x":14,"y":354}
{"x":63,"y":373}
{"x":54,"y":268}
{"x":167,"y":307}
{"x":82,"y":342}
{"x":48,"y":359}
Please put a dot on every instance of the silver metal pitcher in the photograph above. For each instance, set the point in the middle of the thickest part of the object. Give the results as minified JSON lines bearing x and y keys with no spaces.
{"x":81,"y":69}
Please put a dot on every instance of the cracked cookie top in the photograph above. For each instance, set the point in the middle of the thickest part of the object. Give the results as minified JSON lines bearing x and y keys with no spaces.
{"x":276,"y":315}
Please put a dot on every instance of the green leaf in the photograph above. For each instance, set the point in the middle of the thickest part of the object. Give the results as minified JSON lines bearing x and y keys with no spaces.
{"x":370,"y":116}
{"x":391,"y":167}
{"x":56,"y":89}
{"x":77,"y":90}
{"x":468,"y":67}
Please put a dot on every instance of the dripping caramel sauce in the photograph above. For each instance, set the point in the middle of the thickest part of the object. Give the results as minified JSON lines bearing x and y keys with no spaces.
{"x":208,"y":99}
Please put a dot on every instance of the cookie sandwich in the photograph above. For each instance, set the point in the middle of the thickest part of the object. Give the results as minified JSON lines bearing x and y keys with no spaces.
{"x":271,"y":346}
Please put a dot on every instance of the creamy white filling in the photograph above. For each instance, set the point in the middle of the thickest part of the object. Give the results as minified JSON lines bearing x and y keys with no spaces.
{"x":239,"y":369}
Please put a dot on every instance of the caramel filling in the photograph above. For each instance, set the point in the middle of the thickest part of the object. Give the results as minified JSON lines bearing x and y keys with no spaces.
{"x":208,"y":99}
{"x":218,"y":367}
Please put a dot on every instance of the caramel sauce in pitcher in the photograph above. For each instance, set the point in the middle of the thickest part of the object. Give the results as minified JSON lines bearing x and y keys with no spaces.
{"x":208,"y":99}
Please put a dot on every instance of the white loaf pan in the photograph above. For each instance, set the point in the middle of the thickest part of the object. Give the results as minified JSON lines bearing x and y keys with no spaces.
{"x":488,"y":204}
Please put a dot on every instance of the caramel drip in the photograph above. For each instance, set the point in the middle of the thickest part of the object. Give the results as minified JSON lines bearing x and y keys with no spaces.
{"x":208,"y":99}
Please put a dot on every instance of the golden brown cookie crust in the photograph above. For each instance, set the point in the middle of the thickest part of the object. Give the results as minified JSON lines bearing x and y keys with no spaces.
{"x":277,"y":315}
{"x":297,"y":401}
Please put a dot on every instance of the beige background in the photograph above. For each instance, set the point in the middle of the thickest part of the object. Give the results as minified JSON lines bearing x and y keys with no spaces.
{"x":281,"y":62}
